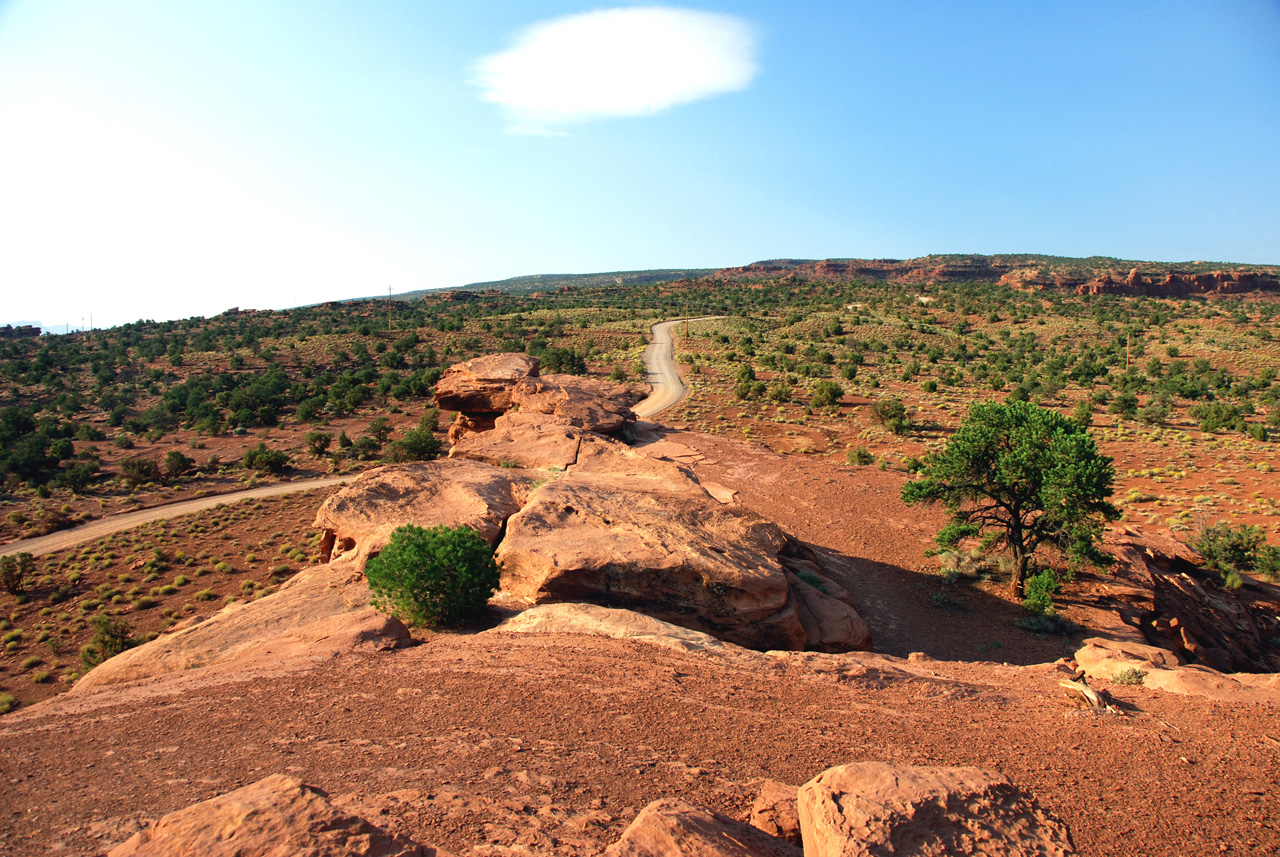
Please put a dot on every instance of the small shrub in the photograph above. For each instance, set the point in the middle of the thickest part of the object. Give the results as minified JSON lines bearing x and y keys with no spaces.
{"x":110,"y":638}
{"x":14,"y":571}
{"x":1267,"y":562}
{"x":1046,"y":623}
{"x":204,"y":595}
{"x":433,"y":576}
{"x":138,"y":470}
{"x":41,"y":677}
{"x":860,"y":456}
{"x":1039,"y":592}
{"x":826,"y":394}
{"x":318,"y":442}
{"x":176,"y":464}
{"x":892,"y":414}
{"x":1227,"y":549}
{"x":812,"y":579}
{"x":1129,"y":676}
{"x":8,"y":702}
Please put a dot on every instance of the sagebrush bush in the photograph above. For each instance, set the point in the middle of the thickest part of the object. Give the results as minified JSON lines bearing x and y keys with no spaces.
{"x":433,"y":576}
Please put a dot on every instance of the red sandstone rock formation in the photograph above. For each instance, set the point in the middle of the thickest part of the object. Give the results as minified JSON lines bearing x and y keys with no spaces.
{"x":270,"y":818}
{"x":875,"y":808}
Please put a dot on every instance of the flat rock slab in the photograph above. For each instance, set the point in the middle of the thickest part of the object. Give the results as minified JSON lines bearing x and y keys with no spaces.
{"x":274,"y":817}
{"x":719,"y":492}
{"x":522,"y":439}
{"x":877,"y":809}
{"x":1105,"y":659}
{"x":673,"y":828}
{"x":606,"y":622}
{"x":320,"y":612}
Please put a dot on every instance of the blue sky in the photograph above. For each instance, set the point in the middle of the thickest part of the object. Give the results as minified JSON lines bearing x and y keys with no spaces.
{"x":163,"y":160}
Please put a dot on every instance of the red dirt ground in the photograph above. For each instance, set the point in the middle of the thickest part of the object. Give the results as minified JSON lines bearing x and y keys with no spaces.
{"x":505,"y":744}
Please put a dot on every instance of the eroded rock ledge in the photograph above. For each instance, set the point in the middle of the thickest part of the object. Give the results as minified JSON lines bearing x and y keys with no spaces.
{"x":574,"y":515}
{"x":577,"y":515}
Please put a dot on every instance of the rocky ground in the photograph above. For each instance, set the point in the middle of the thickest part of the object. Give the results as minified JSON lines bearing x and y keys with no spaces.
{"x":553,"y":743}
{"x":486,"y":741}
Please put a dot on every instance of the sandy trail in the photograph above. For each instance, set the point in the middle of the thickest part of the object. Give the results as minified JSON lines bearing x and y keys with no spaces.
{"x":115,"y":523}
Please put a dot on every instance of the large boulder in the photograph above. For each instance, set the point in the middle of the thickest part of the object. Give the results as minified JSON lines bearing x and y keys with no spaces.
{"x":317,"y":614}
{"x":523,"y":439}
{"x":625,"y":530}
{"x":673,"y":828}
{"x":484,"y":384}
{"x":486,"y":387}
{"x":830,"y":625}
{"x":274,"y":817}
{"x":586,"y":403}
{"x":876,"y":808}
{"x":359,"y":518}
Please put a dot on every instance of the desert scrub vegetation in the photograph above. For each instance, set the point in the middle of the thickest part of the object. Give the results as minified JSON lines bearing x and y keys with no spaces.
{"x":110,"y":638}
{"x":1231,"y":550}
{"x":435,"y":576}
{"x":1129,"y":676}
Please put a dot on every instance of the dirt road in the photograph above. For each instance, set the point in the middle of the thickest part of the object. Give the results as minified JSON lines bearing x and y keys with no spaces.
{"x":115,"y":523}
{"x":660,"y":365}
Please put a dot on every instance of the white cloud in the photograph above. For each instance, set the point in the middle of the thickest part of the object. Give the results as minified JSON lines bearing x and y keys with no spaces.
{"x":617,"y":62}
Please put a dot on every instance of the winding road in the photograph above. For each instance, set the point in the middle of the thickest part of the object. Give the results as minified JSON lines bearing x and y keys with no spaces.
{"x":660,"y":366}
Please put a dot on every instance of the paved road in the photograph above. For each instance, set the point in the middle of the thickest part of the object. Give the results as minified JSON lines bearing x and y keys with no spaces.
{"x":660,"y":365}
{"x":114,"y":523}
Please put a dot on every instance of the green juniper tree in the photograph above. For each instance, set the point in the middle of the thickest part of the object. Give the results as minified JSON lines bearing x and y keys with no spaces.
{"x":1021,"y":476}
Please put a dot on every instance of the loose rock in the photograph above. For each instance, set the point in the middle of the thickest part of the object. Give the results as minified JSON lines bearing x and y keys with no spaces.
{"x":273,"y":817}
{"x":673,"y":828}
{"x":876,"y":808}
{"x":776,"y":812}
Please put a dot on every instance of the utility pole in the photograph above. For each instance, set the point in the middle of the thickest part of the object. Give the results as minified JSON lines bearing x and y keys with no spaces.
{"x":388,"y":309}
{"x":686,"y":320}
{"x":1128,"y":342}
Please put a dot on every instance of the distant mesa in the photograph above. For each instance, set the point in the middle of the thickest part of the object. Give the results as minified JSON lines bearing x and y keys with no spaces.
{"x":1173,"y":284}
{"x":1087,"y":276}
{"x":21,"y":331}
